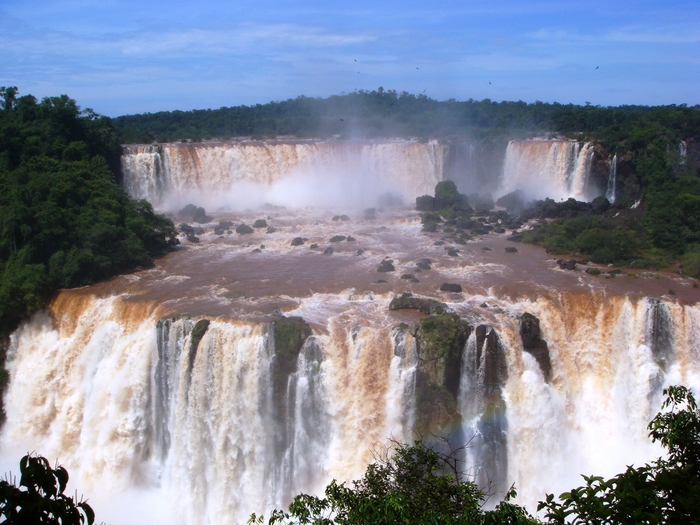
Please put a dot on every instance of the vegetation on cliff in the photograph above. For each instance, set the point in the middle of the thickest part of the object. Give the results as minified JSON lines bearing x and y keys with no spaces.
{"x":64,"y":220}
{"x":387,"y":113}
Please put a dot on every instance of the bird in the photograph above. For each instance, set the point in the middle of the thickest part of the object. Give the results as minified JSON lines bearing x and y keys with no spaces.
{"x":489,"y":83}
{"x":424,"y":91}
{"x":596,"y":67}
{"x":417,"y":68}
{"x":355,"y":60}
{"x":341,"y":120}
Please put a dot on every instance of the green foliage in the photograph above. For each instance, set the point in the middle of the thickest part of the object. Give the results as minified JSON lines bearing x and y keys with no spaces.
{"x":39,"y":498}
{"x":666,"y":491}
{"x":64,"y":220}
{"x":415,"y":484}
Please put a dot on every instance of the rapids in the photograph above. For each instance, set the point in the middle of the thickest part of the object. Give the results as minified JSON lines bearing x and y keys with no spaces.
{"x":158,"y":424}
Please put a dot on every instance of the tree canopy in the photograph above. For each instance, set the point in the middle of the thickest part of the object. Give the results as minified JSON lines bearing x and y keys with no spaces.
{"x":64,"y":220}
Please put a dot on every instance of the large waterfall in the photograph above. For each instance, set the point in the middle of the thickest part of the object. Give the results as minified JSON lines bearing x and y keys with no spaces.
{"x":290,"y":174}
{"x":191,"y":418}
{"x":557,"y":169}
{"x":243,"y":368}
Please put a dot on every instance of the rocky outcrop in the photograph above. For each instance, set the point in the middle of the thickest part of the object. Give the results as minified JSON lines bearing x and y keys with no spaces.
{"x":440,"y":342}
{"x":534,"y":344}
{"x":451,"y":287}
{"x":407,"y":301}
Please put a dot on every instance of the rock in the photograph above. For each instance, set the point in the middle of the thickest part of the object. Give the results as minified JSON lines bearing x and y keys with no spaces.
{"x":186,"y":229}
{"x":593,"y":271}
{"x":173,"y":241}
{"x":424,"y":264}
{"x":451,"y":287}
{"x":499,"y":230}
{"x":414,"y":280}
{"x":381,"y":281}
{"x":328,"y":250}
{"x":256,"y":250}
{"x":344,"y":218}
{"x":336,"y":218}
{"x":271,"y":229}
{"x":407,"y":276}
{"x":486,"y":249}
{"x":440,"y":342}
{"x":225,"y":225}
{"x":452,"y":252}
{"x":262,"y":246}
{"x":193,"y":238}
{"x":438,"y":243}
{"x":386,"y":266}
{"x":484,"y":305}
{"x":337,"y":238}
{"x":406,"y":301}
{"x":218,"y":230}
{"x":511,"y":249}
{"x":615,"y":272}
{"x":313,"y":246}
{"x":197,"y":214}
{"x":359,"y":252}
{"x":351,"y":238}
{"x":297,"y":241}
{"x":567,"y":264}
{"x":260,"y":223}
{"x":244,"y":229}
{"x":534,"y":344}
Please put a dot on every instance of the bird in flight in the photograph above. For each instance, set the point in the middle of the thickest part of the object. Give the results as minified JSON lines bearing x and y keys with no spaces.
{"x":596,"y":67}
{"x":355,"y":60}
{"x":489,"y":83}
{"x":341,"y":120}
{"x":417,"y":68}
{"x":424,"y":90}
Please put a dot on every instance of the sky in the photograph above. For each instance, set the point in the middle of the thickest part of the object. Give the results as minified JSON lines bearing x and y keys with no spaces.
{"x":125,"y":57}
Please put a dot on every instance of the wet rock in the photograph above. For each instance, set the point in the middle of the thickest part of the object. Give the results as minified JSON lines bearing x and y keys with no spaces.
{"x":438,"y":243}
{"x":260,"y":223}
{"x":218,"y":230}
{"x":486,"y":249}
{"x":244,"y":229}
{"x":424,"y":264}
{"x":484,"y":305}
{"x":567,"y":264}
{"x":341,"y":218}
{"x":593,"y":271}
{"x":511,"y":249}
{"x":351,"y":238}
{"x":256,"y":250}
{"x":406,"y":301}
{"x":386,"y":266}
{"x":407,"y":276}
{"x":615,"y":272}
{"x":337,"y":238}
{"x":186,"y":229}
{"x":381,"y":281}
{"x":193,"y":238}
{"x":313,"y":246}
{"x":359,"y":252}
{"x":452,"y":252}
{"x":271,"y":229}
{"x":499,"y":230}
{"x":451,"y":287}
{"x":173,"y":241}
{"x":297,"y":241}
{"x":328,"y":250}
{"x":440,"y":341}
{"x":225,"y":225}
{"x":534,"y":344}
{"x":197,"y":214}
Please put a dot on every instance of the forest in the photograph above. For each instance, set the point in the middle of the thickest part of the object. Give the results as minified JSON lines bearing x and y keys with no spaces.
{"x":64,"y":220}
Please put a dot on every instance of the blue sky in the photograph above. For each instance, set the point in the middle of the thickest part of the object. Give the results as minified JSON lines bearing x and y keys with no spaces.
{"x":121,"y":57}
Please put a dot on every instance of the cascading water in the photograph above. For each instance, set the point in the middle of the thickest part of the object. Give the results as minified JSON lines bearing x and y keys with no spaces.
{"x":556,"y":169}
{"x":610,"y":192}
{"x":291,"y":174}
{"x":139,"y":402}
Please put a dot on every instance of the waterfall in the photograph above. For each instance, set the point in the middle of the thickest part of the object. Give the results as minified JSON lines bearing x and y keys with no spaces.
{"x":557,"y":169}
{"x":292,"y":174}
{"x":612,"y":181}
{"x":135,"y":401}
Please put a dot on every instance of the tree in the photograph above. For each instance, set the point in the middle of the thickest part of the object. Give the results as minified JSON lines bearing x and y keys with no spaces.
{"x":39,"y":498}
{"x":409,"y":484}
{"x":666,"y":491}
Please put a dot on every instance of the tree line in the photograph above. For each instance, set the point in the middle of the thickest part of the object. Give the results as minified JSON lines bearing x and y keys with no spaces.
{"x":64,"y":220}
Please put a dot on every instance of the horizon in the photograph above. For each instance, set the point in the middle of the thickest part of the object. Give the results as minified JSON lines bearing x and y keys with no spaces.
{"x":118,"y":59}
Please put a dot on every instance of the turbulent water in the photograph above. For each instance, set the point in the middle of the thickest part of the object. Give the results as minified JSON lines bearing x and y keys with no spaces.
{"x":241,"y":174}
{"x":291,"y":174}
{"x":161,"y":417}
{"x":556,"y":169}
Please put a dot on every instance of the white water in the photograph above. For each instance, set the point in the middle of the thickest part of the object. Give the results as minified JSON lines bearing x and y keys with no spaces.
{"x":556,"y":169}
{"x":612,"y":180}
{"x":112,"y":396}
{"x":248,"y":174}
